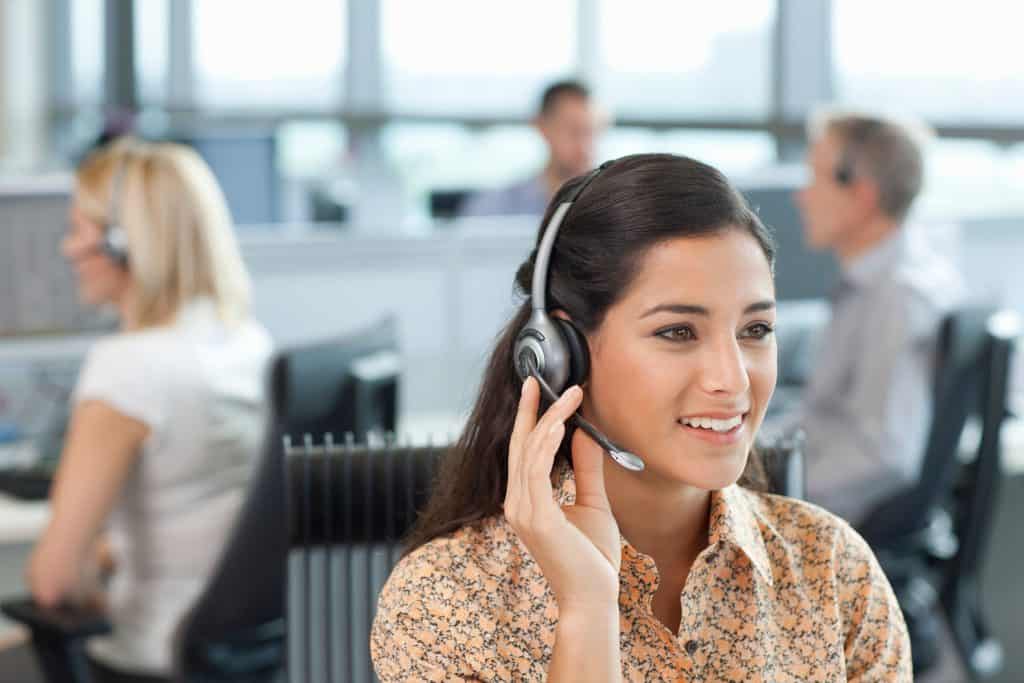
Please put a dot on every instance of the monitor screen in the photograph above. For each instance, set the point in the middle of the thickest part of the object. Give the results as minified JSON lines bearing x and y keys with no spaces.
{"x":246,"y":167}
{"x":339,"y":386}
{"x":800,"y":273}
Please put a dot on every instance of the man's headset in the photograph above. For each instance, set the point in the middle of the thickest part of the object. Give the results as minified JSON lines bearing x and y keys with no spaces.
{"x":553,"y":350}
{"x":115,"y":238}
{"x":846,"y":170}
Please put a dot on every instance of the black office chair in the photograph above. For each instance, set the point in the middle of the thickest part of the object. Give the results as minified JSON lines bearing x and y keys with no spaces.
{"x":236,"y":630}
{"x":348,"y":509}
{"x":931,"y":536}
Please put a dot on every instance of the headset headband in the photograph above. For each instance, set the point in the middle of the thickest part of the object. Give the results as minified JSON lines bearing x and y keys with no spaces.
{"x":547,"y":242}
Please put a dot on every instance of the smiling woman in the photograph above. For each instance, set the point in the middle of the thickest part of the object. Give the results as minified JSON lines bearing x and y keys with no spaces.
{"x":540,"y":558}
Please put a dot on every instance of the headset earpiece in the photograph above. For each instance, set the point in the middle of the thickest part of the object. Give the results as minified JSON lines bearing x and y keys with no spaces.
{"x":115,"y":245}
{"x":115,"y":238}
{"x":844,"y":172}
{"x":577,"y":351}
{"x":542,"y":344}
{"x":552,"y":349}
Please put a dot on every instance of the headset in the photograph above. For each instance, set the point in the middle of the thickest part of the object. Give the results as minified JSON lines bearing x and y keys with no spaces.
{"x":845,"y":171}
{"x":115,"y":238}
{"x":552,"y":349}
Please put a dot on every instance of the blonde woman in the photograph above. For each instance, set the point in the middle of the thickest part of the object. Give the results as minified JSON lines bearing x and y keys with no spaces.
{"x":167,"y":412}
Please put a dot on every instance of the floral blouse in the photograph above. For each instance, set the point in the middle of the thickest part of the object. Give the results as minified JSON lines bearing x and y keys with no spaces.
{"x":785,"y":591}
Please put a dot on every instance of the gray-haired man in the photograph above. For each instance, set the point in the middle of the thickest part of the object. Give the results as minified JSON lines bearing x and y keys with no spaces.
{"x":867,"y":407}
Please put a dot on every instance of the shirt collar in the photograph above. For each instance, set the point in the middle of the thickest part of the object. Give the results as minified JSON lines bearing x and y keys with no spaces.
{"x":732,"y":520}
{"x":866,"y":268}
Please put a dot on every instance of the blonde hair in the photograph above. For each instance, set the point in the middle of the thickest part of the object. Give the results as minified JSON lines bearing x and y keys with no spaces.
{"x":181,"y":241}
{"x":889,"y":149}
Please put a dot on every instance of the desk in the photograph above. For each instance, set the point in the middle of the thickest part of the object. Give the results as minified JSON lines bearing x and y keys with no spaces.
{"x":22,"y":521}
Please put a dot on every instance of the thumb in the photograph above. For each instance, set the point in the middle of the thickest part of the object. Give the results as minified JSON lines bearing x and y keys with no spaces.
{"x":588,"y":468}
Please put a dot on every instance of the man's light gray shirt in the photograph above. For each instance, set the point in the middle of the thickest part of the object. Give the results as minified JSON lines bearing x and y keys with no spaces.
{"x":867,"y":407}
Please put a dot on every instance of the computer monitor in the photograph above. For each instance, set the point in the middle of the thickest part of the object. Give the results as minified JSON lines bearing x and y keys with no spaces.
{"x":800,"y":273}
{"x":447,"y":203}
{"x":245,"y":163}
{"x":340,"y":386}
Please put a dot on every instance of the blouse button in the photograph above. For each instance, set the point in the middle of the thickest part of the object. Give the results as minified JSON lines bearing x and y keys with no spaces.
{"x":691,"y":646}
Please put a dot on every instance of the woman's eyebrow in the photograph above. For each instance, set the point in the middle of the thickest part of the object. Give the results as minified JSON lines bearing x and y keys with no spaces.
{"x":692,"y":309}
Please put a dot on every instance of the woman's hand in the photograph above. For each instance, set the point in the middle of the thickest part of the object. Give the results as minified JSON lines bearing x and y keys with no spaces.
{"x":576,"y":546}
{"x":55,"y":579}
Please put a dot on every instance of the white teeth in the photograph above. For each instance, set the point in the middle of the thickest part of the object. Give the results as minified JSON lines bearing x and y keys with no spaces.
{"x":712,"y":424}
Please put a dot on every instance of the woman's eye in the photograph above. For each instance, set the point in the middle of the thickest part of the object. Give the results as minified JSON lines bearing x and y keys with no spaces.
{"x":677,"y":334}
{"x":758,"y":331}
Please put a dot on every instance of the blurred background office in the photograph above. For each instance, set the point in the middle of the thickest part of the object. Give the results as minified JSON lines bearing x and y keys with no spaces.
{"x":347,"y":134}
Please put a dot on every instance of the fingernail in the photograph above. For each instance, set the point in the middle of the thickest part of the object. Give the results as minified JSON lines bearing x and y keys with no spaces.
{"x":572,"y":391}
{"x":522,"y":390}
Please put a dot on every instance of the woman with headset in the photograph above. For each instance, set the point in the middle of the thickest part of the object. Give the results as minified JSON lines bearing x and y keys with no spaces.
{"x":646,"y":336}
{"x":166,"y":412}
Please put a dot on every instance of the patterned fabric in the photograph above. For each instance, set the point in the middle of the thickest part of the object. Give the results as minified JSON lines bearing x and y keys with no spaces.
{"x":784,"y":592}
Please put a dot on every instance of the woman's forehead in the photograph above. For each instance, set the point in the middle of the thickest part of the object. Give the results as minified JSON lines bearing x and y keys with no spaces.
{"x":721,"y":267}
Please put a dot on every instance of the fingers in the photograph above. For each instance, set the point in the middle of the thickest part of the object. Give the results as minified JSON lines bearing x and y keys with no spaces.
{"x":526,"y":415}
{"x":532,"y":449}
{"x":588,"y":468}
{"x":541,"y":448}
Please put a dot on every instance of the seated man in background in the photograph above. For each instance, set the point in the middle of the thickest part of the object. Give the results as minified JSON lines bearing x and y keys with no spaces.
{"x":867,"y":407}
{"x":569,"y":122}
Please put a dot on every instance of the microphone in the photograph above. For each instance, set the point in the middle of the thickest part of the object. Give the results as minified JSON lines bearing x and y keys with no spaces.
{"x":630,"y":461}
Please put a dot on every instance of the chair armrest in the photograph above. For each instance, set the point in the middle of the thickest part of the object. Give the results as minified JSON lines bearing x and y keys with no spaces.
{"x":59,"y":622}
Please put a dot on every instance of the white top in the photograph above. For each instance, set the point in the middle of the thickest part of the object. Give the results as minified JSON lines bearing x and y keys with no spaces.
{"x":198,"y":385}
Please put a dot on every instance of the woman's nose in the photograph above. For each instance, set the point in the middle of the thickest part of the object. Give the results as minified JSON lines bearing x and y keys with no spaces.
{"x":725,"y":369}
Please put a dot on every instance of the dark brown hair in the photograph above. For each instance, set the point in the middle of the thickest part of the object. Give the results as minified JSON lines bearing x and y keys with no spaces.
{"x":554,"y":93}
{"x":635,"y":203}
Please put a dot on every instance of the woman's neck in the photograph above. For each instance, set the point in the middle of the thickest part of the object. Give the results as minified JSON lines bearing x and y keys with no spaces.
{"x":666,"y":521}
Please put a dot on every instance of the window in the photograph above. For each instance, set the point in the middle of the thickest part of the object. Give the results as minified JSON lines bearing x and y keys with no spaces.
{"x":87,"y":51}
{"x":310,"y":149}
{"x":682,"y":59}
{"x":963,"y":63}
{"x":972,"y":179}
{"x":152,"y":20}
{"x":269,"y":54}
{"x":470,"y":57}
{"x":430,"y":157}
{"x":732,"y":152}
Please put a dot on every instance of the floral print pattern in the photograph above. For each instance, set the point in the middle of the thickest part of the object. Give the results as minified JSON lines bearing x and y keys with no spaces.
{"x":785,"y":591}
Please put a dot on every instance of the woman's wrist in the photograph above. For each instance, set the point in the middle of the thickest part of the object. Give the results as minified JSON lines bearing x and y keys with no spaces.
{"x":597,"y":622}
{"x":587,"y":646}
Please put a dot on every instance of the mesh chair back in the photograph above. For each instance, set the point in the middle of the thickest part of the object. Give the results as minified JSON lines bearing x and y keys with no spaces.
{"x":349,"y":507}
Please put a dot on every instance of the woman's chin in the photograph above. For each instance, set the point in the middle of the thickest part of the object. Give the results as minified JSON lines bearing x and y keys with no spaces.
{"x":705,"y":471}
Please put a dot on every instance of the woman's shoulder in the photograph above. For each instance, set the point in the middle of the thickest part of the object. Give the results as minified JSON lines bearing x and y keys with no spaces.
{"x":467,"y":562}
{"x":809,"y":533}
{"x":823,"y":565}
{"x":130,"y":341}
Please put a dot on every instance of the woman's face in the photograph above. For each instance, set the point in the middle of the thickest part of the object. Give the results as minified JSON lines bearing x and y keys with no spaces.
{"x":100,"y":279}
{"x":683,"y":365}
